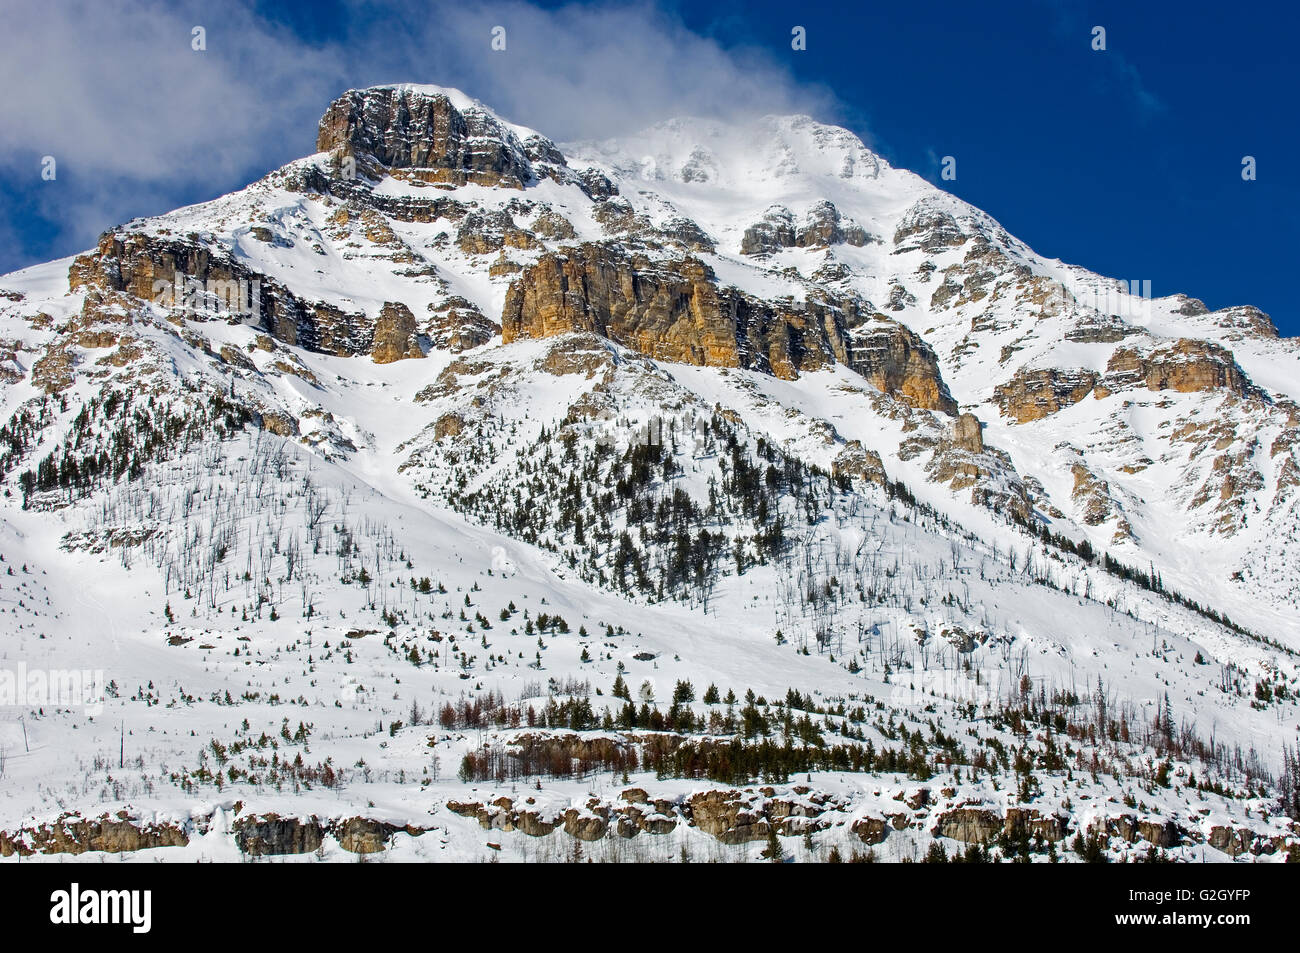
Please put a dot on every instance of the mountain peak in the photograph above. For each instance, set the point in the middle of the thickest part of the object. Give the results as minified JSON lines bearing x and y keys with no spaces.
{"x":747,"y":154}
{"x":439,"y":131}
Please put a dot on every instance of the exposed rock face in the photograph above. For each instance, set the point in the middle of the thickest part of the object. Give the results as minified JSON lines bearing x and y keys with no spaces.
{"x":685,"y":234}
{"x":171,"y":272}
{"x":282,"y":425}
{"x":967,"y":434}
{"x":534,"y":824}
{"x":363,"y":835}
{"x":674,"y":310}
{"x":1159,"y":832}
{"x":897,"y":361}
{"x":774,"y":232}
{"x":1098,"y":329}
{"x":10,"y":370}
{"x":272,"y":834}
{"x":1246,"y":321}
{"x":75,"y":835}
{"x":970,"y":824}
{"x":550,"y":224}
{"x":631,"y":300}
{"x":596,"y":184}
{"x":395,"y":335}
{"x":1186,"y":366}
{"x":927,"y":229}
{"x":55,"y":370}
{"x":448,"y":425}
{"x":871,"y":830}
{"x":1233,"y":841}
{"x":1034,"y":394}
{"x":405,"y":128}
{"x":978,"y":825}
{"x":588,"y":826}
{"x":1091,"y":494}
{"x":858,"y":463}
{"x":1230,"y":483}
{"x":482,"y":233}
{"x":106,"y":320}
{"x":147,"y":266}
{"x":962,"y":460}
{"x":457,"y":325}
{"x":822,"y":227}
{"x":1029,"y":821}
{"x":1190,"y":306}
{"x":729,"y":816}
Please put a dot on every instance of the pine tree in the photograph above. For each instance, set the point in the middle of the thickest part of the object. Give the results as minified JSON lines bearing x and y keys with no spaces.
{"x":773,"y":851}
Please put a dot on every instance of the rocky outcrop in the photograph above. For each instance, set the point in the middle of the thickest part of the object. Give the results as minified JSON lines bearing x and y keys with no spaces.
{"x":823,"y":226}
{"x":55,"y":370}
{"x":855,"y":462}
{"x":1030,"y":822}
{"x":732,"y":816}
{"x":588,"y":825}
{"x":1091,"y":495}
{"x":1186,"y":366}
{"x":1157,"y":831}
{"x":870,"y":830}
{"x":928,"y":229}
{"x":395,"y":337}
{"x":458,"y":325}
{"x":774,"y":232}
{"x":71,"y":834}
{"x":483,"y":233}
{"x":1245,"y":321}
{"x":968,"y":434}
{"x":973,"y":825}
{"x":364,"y":835}
{"x":673,"y":309}
{"x":282,"y":425}
{"x":980,"y":825}
{"x":1034,"y":394}
{"x":405,"y":127}
{"x":897,"y":361}
{"x":961,"y":460}
{"x":273,"y":834}
{"x":1233,"y":841}
{"x":553,"y":226}
{"x":1096,"y":328}
{"x":729,"y":816}
{"x":448,"y":425}
{"x":191,"y":278}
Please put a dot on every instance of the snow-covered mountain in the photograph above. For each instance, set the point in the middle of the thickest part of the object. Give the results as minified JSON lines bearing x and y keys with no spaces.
{"x":683,"y":491}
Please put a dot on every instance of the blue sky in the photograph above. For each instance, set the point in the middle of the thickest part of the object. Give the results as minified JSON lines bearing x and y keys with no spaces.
{"x":1126,"y":161}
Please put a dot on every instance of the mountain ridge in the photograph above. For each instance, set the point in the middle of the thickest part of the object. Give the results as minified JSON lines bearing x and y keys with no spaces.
{"x":926,"y":224}
{"x":783,"y":414}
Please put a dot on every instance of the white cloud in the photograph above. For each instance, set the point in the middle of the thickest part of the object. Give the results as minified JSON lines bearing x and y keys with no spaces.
{"x":140,"y":122}
{"x":113,"y":87}
{"x":583,"y":71}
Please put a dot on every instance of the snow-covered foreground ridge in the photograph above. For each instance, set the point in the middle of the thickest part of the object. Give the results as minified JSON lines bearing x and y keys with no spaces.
{"x":718,"y":493}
